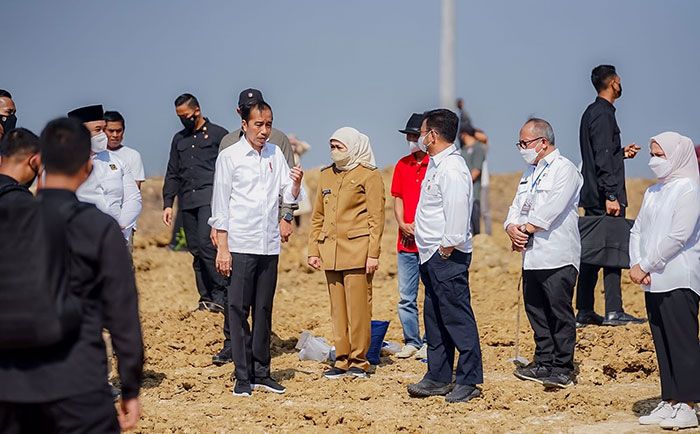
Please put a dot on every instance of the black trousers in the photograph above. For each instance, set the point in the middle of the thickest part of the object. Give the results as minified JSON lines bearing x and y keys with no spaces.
{"x":251,"y":290}
{"x":88,"y":413}
{"x":176,"y":226}
{"x":588,"y":279}
{"x":476,"y":217}
{"x":548,"y":295}
{"x":449,"y":320}
{"x":210,"y":284}
{"x":673,"y":319}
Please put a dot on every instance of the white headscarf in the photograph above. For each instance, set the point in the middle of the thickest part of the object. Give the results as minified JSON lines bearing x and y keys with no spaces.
{"x":680,"y":152}
{"x":359,"y":148}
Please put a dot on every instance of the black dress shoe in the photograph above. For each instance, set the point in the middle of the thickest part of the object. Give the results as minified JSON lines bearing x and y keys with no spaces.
{"x":427,"y":387}
{"x":222,"y":357}
{"x":462,"y":393}
{"x":621,"y":318}
{"x":588,"y":317}
{"x":532,"y":372}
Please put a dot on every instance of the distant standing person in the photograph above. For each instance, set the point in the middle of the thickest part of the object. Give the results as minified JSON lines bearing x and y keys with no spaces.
{"x":405,"y":188}
{"x":115,"y":134}
{"x":190,"y":177}
{"x":603,"y":193}
{"x":485,"y":203}
{"x":474,"y":155}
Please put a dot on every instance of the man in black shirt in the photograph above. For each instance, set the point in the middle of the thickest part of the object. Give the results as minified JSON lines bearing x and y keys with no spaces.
{"x":603,"y":192}
{"x":190,"y":174}
{"x":63,"y":388}
{"x":20,"y":164}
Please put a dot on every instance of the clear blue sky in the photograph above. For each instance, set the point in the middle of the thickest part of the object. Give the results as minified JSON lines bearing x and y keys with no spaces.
{"x":366,"y":64}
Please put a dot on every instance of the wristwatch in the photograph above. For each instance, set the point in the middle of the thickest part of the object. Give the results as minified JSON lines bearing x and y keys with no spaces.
{"x":611,"y":197}
{"x":288,"y":217}
{"x":443,"y":255}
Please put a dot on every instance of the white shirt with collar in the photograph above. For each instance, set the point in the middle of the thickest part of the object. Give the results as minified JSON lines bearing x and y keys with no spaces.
{"x":112,"y":189}
{"x":445,"y":205}
{"x":132,"y":158}
{"x":665,"y":238}
{"x":245,"y":201}
{"x":547,"y":197}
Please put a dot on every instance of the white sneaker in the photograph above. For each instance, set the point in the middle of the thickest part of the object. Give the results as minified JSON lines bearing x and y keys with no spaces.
{"x":422,"y":353}
{"x":406,"y":352}
{"x":662,"y":411}
{"x":683,"y":416}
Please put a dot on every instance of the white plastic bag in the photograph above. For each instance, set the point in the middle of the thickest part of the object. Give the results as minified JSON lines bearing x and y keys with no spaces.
{"x":313,"y":347}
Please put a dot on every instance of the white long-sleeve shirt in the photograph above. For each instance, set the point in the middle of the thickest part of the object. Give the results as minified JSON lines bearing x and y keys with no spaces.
{"x":112,"y":189}
{"x":665,"y":238}
{"x":245,"y":201}
{"x":445,"y":205}
{"x":547,"y":197}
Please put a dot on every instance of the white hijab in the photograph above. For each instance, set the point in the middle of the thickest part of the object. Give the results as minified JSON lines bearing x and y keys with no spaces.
{"x":359,"y":148}
{"x":680,"y":152}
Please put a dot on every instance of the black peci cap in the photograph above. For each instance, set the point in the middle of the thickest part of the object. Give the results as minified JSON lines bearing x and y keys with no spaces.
{"x":88,"y":113}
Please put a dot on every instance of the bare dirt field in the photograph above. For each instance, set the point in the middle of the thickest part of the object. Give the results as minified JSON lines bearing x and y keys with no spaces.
{"x":185,"y":393}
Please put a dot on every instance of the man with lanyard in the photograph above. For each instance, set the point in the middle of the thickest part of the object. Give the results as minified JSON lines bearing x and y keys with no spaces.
{"x":542,"y":223}
{"x":110,"y":187}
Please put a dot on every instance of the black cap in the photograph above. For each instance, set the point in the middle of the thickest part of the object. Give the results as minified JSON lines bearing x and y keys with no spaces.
{"x":413,"y":124}
{"x":249,"y":96}
{"x":88,"y":113}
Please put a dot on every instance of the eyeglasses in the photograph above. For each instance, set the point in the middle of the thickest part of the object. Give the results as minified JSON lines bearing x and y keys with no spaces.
{"x":522,"y":144}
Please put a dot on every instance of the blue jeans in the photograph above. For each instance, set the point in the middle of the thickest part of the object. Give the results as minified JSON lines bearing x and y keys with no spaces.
{"x":408,"y":290}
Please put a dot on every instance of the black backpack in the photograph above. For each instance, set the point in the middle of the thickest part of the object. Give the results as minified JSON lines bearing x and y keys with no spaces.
{"x":37,"y":308}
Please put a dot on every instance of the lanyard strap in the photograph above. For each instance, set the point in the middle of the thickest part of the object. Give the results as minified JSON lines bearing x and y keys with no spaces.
{"x":532,"y":186}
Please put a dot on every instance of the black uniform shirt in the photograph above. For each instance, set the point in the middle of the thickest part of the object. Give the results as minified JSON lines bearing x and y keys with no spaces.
{"x":190,"y":172}
{"x":102,"y":276}
{"x":12,"y":191}
{"x":602,"y":155}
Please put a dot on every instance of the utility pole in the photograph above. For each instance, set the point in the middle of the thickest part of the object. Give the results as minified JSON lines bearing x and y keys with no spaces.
{"x":447,"y":55}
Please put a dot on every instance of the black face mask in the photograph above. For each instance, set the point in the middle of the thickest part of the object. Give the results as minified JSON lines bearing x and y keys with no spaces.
{"x":618,"y":93}
{"x":8,"y":122}
{"x":188,"y":123}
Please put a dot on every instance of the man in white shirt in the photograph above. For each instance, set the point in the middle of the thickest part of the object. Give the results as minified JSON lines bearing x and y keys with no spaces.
{"x":444,"y":249}
{"x":131,"y":157}
{"x":250,"y":176}
{"x":542,"y":223}
{"x":110,"y":187}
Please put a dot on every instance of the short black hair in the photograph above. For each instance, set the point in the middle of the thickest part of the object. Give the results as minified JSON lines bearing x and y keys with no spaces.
{"x":247,"y":109}
{"x":114,"y":116}
{"x":444,"y":122}
{"x":4,"y":93}
{"x":187,"y":98}
{"x":601,"y":75}
{"x":19,"y":142}
{"x":65,"y":146}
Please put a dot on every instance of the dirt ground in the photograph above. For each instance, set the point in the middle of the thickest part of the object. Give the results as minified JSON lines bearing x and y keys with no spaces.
{"x":184,"y":393}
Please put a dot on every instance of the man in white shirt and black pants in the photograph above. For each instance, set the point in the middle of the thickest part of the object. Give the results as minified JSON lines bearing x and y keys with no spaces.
{"x":250,"y":176}
{"x":542,"y":223}
{"x":444,"y":249}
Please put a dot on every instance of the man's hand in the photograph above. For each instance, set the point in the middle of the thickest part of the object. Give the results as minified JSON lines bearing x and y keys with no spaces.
{"x":286,"y":230}
{"x":516,"y":248}
{"x":408,"y":228}
{"x":314,"y":262}
{"x":517,"y":237}
{"x":128,"y":413}
{"x":612,"y":208}
{"x":168,"y":216}
{"x":638,"y":276}
{"x":296,"y":174}
{"x":212,"y":237}
{"x":372,"y":265}
{"x":223,"y":262}
{"x":631,"y":150}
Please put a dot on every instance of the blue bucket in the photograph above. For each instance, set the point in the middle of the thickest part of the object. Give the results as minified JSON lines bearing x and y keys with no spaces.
{"x":379,"y":329}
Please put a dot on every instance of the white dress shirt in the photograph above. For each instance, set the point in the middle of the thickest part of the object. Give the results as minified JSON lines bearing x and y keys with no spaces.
{"x":112,"y":188}
{"x":665,"y":238}
{"x":245,"y":202}
{"x":547,"y":197}
{"x":445,"y":205}
{"x":132,"y":158}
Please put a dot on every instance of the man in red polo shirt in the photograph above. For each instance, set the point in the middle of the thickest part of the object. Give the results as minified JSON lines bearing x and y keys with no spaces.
{"x":405,"y":188}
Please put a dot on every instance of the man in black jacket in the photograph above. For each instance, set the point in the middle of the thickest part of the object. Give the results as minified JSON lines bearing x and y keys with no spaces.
{"x":63,"y":388}
{"x":603,"y":192}
{"x":20,"y":164}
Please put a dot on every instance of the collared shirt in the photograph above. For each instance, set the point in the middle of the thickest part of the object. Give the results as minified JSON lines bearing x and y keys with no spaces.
{"x":603,"y":157}
{"x":405,"y":184}
{"x":190,"y":173}
{"x":112,"y":189}
{"x":665,"y":239}
{"x":132,"y":158}
{"x":547,"y":197}
{"x":245,"y":200}
{"x":444,"y":208}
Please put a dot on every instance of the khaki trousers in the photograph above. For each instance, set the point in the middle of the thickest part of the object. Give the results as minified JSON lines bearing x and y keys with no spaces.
{"x":351,"y":313}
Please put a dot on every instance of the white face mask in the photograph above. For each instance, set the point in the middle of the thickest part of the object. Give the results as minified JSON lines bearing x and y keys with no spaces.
{"x":529,"y":155}
{"x":421,"y":143}
{"x":99,"y":142}
{"x":660,"y":166}
{"x":413,"y":147}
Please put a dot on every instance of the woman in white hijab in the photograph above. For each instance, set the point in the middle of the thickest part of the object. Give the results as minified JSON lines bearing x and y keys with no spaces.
{"x":345,"y":238}
{"x":665,"y":253}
